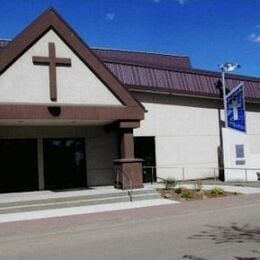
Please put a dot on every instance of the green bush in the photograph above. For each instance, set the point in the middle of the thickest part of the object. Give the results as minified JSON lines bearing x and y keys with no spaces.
{"x":168,"y":183}
{"x":186,"y":194}
{"x":217,"y":191}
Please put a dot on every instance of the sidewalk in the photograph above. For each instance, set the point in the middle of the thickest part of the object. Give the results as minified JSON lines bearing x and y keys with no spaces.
{"x":34,"y":198}
{"x":48,"y":204}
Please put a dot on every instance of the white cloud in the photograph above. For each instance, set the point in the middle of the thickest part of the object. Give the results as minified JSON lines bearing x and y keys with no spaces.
{"x":181,"y":2}
{"x":110,"y":16}
{"x":253,"y":37}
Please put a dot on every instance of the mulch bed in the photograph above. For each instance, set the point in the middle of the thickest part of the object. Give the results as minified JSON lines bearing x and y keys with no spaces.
{"x":184,"y":194}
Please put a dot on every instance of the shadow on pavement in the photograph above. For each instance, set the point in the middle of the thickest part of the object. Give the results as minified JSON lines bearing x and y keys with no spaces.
{"x":247,"y":258}
{"x":192,"y":257}
{"x":230,"y":234}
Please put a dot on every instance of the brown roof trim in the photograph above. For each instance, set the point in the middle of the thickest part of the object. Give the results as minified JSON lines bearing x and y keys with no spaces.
{"x":28,"y":112}
{"x":147,"y":89}
{"x":253,"y":100}
{"x":170,"y":91}
{"x":50,"y":19}
{"x":129,"y":124}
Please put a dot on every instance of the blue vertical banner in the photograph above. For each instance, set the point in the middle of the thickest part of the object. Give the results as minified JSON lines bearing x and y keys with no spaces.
{"x":236,"y":112}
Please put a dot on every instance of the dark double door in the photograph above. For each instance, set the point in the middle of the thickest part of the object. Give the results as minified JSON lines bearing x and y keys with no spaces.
{"x":19,"y":168}
{"x":63,"y":164}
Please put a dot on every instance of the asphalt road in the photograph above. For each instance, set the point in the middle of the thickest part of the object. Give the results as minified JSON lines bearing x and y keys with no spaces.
{"x":226,"y":228}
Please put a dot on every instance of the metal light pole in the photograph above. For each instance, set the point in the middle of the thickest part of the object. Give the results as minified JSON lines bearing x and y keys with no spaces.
{"x":226,"y":67}
{"x":224,"y":95}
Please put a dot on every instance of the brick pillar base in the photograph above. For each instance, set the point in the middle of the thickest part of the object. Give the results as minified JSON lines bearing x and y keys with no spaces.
{"x":129,"y":170}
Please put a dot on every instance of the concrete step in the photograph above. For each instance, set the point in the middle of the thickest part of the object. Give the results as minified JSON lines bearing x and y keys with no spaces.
{"x":76,"y":201}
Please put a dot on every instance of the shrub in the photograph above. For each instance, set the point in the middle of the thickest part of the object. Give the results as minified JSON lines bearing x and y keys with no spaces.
{"x":217,"y":191}
{"x":168,"y":183}
{"x":186,"y":194}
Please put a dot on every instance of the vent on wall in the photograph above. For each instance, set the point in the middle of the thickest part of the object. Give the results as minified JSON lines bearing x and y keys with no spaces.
{"x":240,"y":154}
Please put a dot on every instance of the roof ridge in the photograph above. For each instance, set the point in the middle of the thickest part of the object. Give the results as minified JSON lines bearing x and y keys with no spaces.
{"x":141,"y":52}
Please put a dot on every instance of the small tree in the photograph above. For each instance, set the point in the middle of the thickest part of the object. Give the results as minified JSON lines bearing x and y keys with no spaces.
{"x":186,"y":194}
{"x":217,"y":191}
{"x":168,"y":182}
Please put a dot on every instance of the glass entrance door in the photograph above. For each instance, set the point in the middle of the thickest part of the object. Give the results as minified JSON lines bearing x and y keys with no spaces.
{"x":64,"y":163}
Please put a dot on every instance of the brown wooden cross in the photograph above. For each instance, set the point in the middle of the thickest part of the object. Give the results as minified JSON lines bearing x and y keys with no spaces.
{"x":52,"y":61}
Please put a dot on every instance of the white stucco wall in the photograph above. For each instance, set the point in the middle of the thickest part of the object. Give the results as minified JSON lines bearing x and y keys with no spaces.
{"x":231,"y":138}
{"x":26,"y":82}
{"x":253,"y":132}
{"x":187,"y":138}
{"x":251,"y":142}
{"x":186,"y":135}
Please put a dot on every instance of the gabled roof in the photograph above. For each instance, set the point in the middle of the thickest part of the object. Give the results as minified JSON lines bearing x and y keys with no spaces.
{"x":50,"y":19}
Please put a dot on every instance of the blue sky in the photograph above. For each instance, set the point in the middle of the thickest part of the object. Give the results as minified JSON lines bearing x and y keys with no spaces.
{"x":208,"y":31}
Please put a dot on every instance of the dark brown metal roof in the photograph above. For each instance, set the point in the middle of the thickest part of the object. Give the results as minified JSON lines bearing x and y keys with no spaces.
{"x":143,"y":58}
{"x":192,"y":81}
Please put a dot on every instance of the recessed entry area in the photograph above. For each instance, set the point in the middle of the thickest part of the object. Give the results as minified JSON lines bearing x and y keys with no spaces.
{"x":64,"y":163}
{"x":18,"y":159}
{"x":145,"y":149}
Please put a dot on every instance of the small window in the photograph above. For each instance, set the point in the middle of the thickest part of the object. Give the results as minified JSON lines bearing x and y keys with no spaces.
{"x":240,"y":154}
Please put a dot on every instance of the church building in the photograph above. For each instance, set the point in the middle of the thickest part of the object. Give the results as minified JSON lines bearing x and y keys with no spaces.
{"x":72,"y":116}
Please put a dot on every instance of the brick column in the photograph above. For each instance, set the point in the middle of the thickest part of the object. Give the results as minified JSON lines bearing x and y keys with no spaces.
{"x":130,"y":168}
